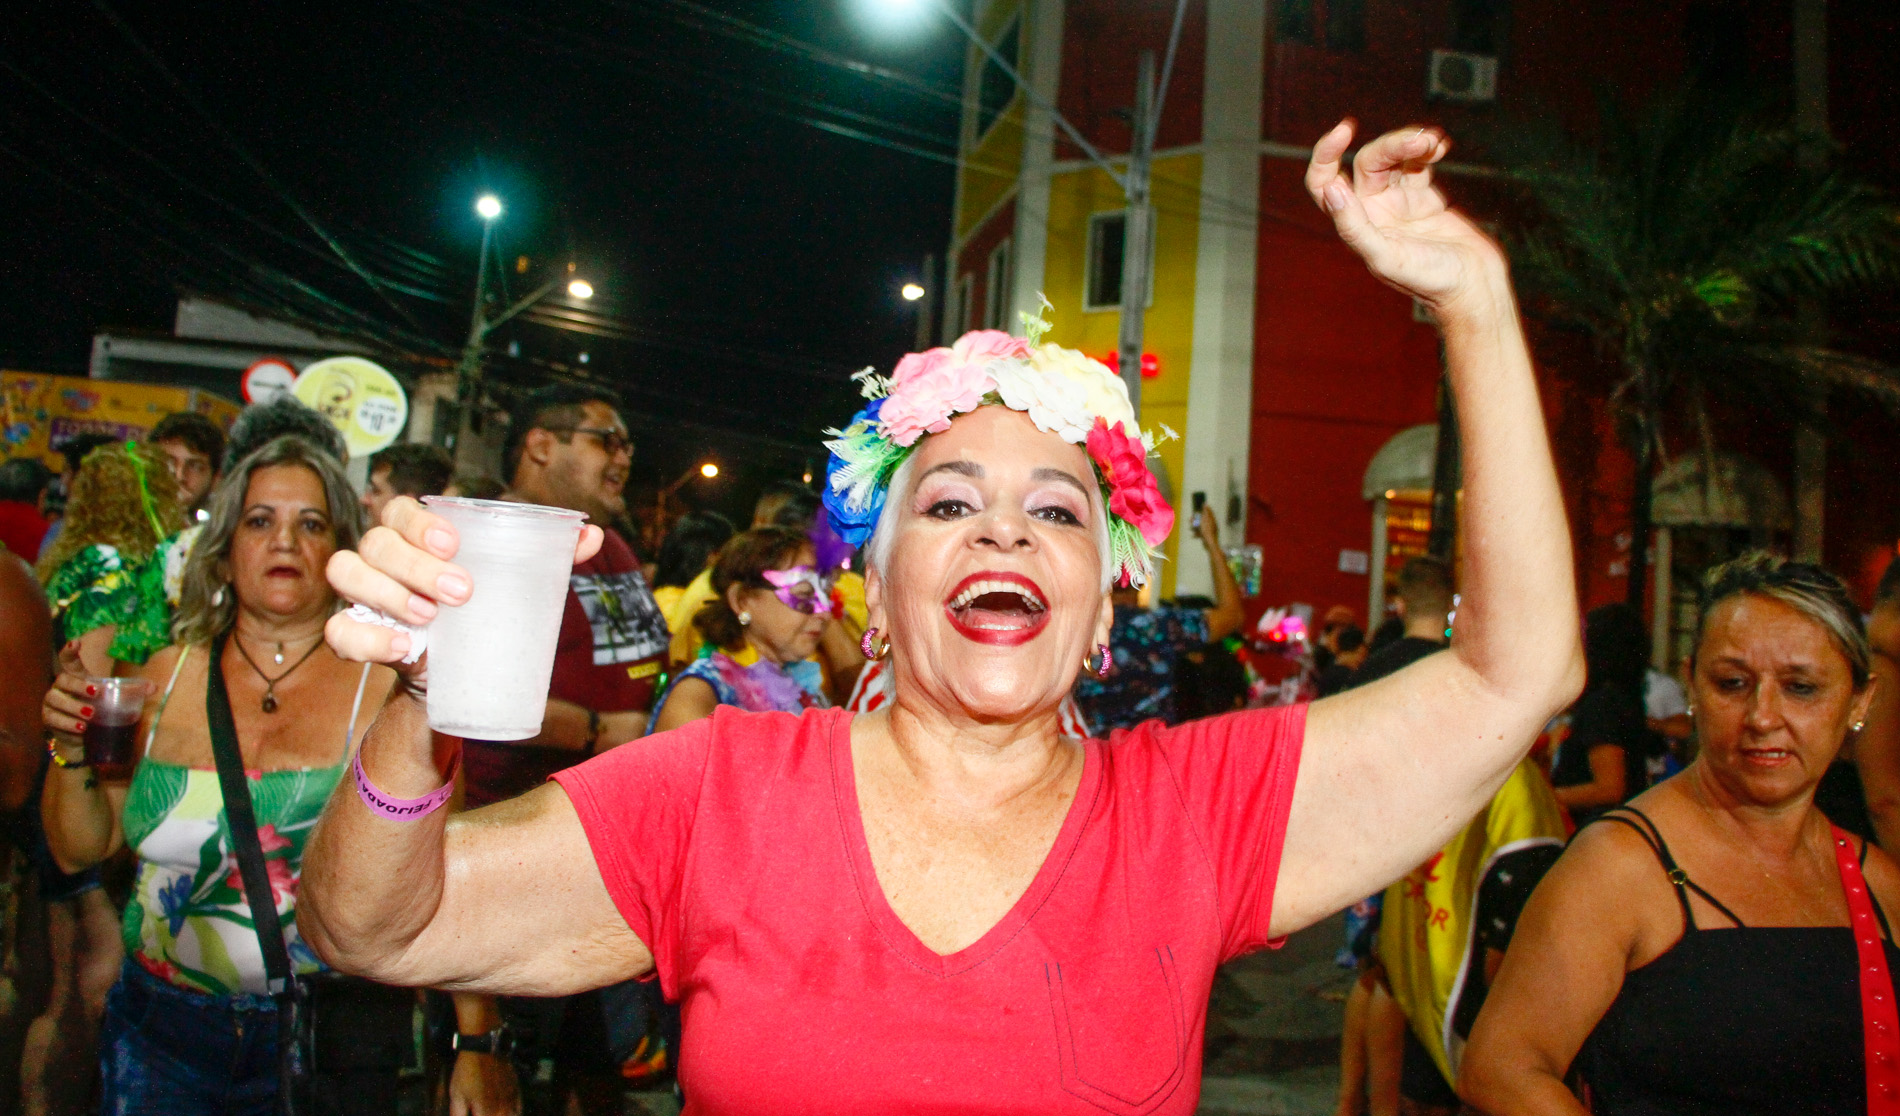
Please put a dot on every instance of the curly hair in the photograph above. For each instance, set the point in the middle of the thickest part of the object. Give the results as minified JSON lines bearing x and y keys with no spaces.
{"x":743,"y":562}
{"x":263,"y":423}
{"x":1808,"y":589}
{"x":108,"y":506}
{"x":204,"y":607}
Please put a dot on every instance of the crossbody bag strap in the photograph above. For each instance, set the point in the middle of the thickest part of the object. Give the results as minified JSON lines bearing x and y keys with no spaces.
{"x":243,"y":822}
{"x":1880,"y":1022}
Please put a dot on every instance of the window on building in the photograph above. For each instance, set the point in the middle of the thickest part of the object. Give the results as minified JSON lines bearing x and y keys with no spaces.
{"x":995,"y":89}
{"x":1102,"y":287}
{"x":997,"y":295}
{"x":1345,"y":24}
{"x":1107,"y":233}
{"x":1293,"y":21}
{"x":1480,"y":26}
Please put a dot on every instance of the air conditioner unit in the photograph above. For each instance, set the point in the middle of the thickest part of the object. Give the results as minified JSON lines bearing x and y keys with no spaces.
{"x":1457,"y":76}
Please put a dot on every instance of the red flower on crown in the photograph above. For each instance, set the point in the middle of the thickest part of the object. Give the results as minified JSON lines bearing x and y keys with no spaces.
{"x":1132,"y":491}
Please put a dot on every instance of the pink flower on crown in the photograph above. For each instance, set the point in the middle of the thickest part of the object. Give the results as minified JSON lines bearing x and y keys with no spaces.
{"x":1132,"y":491}
{"x":989,"y":344}
{"x":930,"y":391}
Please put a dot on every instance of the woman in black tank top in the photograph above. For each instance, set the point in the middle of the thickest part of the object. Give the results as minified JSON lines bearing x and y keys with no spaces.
{"x":1707,"y":949}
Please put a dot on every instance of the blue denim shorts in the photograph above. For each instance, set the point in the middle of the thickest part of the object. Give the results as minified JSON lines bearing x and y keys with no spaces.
{"x":165,"y":1051}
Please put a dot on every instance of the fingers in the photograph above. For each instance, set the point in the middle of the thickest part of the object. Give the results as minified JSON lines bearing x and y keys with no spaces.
{"x":420,"y":528}
{"x":1355,"y":226}
{"x":388,"y":572}
{"x":67,"y":705}
{"x":368,"y":643}
{"x":1324,"y":166}
{"x":70,"y":661}
{"x":589,"y":545}
{"x":1396,"y":156}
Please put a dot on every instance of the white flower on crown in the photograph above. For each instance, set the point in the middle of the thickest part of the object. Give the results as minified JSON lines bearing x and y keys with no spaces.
{"x":1063,"y":392}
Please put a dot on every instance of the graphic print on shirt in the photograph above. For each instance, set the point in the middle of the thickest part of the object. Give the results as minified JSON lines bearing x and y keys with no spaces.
{"x":626,"y":620}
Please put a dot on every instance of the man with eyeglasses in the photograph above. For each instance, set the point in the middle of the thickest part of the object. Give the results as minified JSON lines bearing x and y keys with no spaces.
{"x":567,"y":448}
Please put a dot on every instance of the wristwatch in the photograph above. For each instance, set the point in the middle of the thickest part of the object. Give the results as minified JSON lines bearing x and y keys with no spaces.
{"x":498,"y":1043}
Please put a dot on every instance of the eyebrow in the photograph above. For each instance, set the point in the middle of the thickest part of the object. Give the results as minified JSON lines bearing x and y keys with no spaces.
{"x":1061,"y":475}
{"x":963,"y":468}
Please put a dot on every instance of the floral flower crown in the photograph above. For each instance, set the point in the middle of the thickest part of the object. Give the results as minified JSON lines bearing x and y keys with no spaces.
{"x":1061,"y":390}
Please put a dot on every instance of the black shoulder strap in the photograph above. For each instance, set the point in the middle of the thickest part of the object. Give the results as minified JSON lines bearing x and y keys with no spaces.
{"x":243,"y":822}
{"x":1654,"y":840}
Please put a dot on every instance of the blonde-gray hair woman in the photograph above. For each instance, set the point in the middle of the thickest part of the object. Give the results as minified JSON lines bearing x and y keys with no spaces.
{"x":190,"y":1024}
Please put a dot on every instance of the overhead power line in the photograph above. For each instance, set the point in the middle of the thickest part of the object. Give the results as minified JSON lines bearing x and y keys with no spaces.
{"x":244,"y":155}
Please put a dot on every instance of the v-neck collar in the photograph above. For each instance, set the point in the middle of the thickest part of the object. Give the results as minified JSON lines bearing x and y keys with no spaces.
{"x":898,"y":936}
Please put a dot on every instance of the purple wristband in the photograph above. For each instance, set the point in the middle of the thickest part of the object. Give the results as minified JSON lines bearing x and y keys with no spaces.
{"x":403,"y":809}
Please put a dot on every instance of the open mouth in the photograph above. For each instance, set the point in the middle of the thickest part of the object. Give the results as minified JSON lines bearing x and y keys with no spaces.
{"x":1768,"y":757}
{"x":283,"y":571}
{"x":997,"y":608}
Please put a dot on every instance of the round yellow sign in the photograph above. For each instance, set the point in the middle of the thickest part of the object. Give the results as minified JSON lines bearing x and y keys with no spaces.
{"x":360,"y":397}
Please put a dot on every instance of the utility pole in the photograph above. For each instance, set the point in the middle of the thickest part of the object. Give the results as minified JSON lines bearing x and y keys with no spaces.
{"x":468,"y":373}
{"x":926,"y":318}
{"x":1137,"y":230}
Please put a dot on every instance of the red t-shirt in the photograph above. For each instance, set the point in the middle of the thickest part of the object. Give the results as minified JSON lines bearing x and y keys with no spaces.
{"x":611,"y":654}
{"x":735,"y":850}
{"x":21,"y":528}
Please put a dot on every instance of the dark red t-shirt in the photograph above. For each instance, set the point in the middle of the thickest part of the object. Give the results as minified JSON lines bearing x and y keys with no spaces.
{"x":21,"y":528}
{"x":611,"y":654}
{"x":735,"y":850}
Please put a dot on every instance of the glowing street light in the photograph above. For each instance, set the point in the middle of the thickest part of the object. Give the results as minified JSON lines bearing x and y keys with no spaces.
{"x":488,"y":207}
{"x":709,"y":470}
{"x":912,"y":292}
{"x":580,"y":288}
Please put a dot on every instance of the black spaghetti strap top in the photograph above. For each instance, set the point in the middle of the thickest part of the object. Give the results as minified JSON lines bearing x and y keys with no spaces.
{"x":1733,"y":1020}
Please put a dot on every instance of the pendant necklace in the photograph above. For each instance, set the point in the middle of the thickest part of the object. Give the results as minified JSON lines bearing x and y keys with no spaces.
{"x":270,"y":684}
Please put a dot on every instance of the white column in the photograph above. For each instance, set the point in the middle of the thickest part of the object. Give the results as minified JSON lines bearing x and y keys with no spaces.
{"x":1042,"y":34}
{"x":1220,"y":388}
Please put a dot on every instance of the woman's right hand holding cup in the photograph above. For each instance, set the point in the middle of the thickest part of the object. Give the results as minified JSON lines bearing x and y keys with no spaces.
{"x":403,"y":568}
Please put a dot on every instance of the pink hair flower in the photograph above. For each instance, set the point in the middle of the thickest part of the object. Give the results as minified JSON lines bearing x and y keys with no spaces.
{"x":1132,"y":491}
{"x":923,"y":402}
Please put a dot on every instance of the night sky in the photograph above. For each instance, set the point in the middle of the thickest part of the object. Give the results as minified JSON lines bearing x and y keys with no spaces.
{"x":746,"y":255}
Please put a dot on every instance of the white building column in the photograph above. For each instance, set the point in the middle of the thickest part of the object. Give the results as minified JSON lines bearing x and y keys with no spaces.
{"x":1220,"y":387}
{"x":1042,"y":35}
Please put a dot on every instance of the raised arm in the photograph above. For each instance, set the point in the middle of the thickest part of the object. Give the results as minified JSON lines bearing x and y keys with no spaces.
{"x":504,"y":899}
{"x":1391,"y":770}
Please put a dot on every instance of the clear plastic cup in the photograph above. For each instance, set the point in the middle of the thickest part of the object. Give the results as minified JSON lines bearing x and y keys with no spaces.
{"x":491,"y":659}
{"x":111,"y":735}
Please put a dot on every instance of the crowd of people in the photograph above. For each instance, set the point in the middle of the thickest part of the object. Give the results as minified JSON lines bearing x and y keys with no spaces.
{"x":915,"y":771}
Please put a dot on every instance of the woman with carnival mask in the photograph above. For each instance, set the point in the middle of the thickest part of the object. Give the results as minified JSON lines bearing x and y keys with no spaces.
{"x":771,"y":607}
{"x":963,"y":908}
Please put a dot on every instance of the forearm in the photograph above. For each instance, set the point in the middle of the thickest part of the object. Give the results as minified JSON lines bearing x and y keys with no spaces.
{"x":1228,"y":611}
{"x":1516,"y":627}
{"x":565,"y":725}
{"x":370,"y":884}
{"x":476,"y":1013}
{"x":1523,"y":1093}
{"x":78,"y":816}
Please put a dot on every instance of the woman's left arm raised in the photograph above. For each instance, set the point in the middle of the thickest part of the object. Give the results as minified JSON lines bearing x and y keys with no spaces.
{"x":1391,"y":770}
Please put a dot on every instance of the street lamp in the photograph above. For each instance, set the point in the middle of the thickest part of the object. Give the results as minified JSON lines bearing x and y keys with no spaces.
{"x":468,"y":391}
{"x":912,"y":292}
{"x":709,"y":470}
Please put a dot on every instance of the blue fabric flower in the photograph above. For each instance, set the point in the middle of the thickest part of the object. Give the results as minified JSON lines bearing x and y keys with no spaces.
{"x":855,"y":524}
{"x":173,"y":900}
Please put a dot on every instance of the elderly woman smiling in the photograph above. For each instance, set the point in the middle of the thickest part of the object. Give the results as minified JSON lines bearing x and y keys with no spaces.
{"x":962,"y":908}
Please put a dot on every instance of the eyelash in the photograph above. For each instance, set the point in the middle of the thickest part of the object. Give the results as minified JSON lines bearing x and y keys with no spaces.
{"x":1056,"y":513}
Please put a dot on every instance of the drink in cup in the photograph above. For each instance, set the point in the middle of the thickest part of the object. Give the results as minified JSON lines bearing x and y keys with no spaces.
{"x":112,"y":732}
{"x":491,"y":659}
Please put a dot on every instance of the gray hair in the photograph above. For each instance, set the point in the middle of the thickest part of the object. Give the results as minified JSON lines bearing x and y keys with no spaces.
{"x":1808,"y":589}
{"x":205,"y":608}
{"x":877,"y":551}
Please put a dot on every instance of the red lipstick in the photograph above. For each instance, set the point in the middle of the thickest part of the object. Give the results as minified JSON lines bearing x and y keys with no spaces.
{"x":998,"y":608}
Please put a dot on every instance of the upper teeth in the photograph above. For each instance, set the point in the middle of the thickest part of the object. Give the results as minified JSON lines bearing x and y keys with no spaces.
{"x":977,"y":588}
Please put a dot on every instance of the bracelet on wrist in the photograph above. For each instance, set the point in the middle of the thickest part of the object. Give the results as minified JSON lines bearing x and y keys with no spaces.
{"x":52,"y":750}
{"x":404,"y":809}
